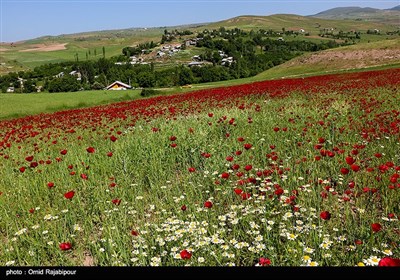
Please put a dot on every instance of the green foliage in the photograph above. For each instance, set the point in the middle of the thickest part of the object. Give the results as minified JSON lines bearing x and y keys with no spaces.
{"x":148,"y":92}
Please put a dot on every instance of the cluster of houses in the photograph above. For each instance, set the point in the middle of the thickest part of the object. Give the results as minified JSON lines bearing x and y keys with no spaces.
{"x":168,"y":50}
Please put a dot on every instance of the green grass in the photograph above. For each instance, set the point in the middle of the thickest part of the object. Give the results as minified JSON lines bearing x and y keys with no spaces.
{"x":18,"y":105}
{"x":129,"y":209}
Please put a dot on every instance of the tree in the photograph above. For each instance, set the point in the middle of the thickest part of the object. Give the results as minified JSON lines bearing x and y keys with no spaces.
{"x":104,"y":52}
{"x":185,"y":76}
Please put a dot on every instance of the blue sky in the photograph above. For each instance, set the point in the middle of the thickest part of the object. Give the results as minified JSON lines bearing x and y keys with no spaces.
{"x":27,"y":19}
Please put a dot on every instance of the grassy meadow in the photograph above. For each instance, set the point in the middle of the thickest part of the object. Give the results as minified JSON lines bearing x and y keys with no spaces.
{"x":19,"y":105}
{"x":289,"y":172}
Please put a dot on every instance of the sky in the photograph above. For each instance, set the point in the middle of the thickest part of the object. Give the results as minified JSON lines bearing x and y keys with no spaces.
{"x":28,"y":19}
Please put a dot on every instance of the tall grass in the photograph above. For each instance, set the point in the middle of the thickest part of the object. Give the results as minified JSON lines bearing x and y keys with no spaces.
{"x":243,"y":184}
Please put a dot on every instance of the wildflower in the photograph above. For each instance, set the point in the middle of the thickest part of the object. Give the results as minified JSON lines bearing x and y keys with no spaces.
{"x":69,"y":195}
{"x":376,"y":227}
{"x":264,"y":262}
{"x":65,"y":246}
{"x":388,"y":261}
{"x":185,"y":254}
{"x":90,"y":150}
{"x":208,"y":204}
{"x":325,"y":215}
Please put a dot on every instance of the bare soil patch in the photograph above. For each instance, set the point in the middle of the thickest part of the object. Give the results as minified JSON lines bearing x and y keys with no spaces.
{"x":352,"y":59}
{"x":46,"y":48}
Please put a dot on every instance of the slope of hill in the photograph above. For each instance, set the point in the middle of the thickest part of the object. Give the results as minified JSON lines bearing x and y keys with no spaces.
{"x":397,"y":8}
{"x":388,"y":16}
{"x":295,"y":22}
{"x":367,"y":55}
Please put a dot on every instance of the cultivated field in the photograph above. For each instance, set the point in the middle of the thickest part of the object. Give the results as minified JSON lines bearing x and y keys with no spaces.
{"x":289,"y":172}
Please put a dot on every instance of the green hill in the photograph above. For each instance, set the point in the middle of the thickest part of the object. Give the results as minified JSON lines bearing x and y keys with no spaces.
{"x":388,"y":16}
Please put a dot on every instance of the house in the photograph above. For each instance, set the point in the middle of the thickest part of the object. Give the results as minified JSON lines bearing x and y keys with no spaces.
{"x":195,"y":63}
{"x":59,"y":75}
{"x":227,"y":61}
{"x":196,"y":58}
{"x":76,"y":74}
{"x":117,"y":85}
{"x":10,"y":89}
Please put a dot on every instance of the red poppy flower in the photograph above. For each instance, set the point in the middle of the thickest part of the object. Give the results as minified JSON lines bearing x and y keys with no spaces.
{"x":238,"y":191}
{"x":134,"y":232}
{"x":113,"y":138}
{"x":247,"y":146}
{"x":32,"y":210}
{"x":240,"y":139}
{"x":391,"y":215}
{"x":350,"y":160}
{"x":376,"y":227}
{"x":69,"y":195}
{"x":183,"y":207}
{"x":90,"y":150}
{"x":388,"y":261}
{"x":29,"y":158}
{"x":208,"y":204}
{"x":344,"y":170}
{"x":173,"y":145}
{"x":116,"y":201}
{"x":65,"y":246}
{"x":358,"y":242}
{"x":276,"y":129}
{"x":192,"y":169}
{"x":84,"y":176}
{"x":185,"y":254}
{"x":248,"y":167}
{"x":355,"y":167}
{"x":264,"y":262}
{"x":325,"y":215}
{"x":34,"y":164}
{"x":245,"y":196}
{"x":278,"y":191}
{"x":172,"y":138}
{"x":22,"y":169}
{"x":235,"y":166}
{"x":225,"y":175}
{"x":109,"y":154}
{"x":63,"y":152}
{"x":229,"y":158}
{"x":50,"y":185}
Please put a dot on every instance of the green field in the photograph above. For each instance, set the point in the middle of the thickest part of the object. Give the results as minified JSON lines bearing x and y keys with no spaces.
{"x":19,"y":105}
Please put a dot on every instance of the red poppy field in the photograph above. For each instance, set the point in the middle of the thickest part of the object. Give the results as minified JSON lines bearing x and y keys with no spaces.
{"x":290,"y":172}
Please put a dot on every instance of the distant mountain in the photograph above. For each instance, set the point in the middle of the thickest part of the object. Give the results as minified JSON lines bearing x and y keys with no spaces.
{"x":388,"y":16}
{"x":397,"y":8}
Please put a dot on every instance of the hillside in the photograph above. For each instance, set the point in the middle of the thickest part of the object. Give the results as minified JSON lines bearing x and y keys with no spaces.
{"x":387,"y":16}
{"x":295,"y":22}
{"x":25,"y":55}
{"x":366,"y":55}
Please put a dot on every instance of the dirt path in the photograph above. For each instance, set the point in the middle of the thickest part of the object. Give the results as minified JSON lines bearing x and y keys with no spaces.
{"x":46,"y":48}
